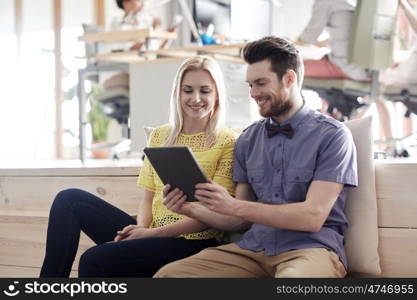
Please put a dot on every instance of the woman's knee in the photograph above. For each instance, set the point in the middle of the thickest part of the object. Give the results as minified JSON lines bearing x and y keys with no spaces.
{"x":69,"y":196}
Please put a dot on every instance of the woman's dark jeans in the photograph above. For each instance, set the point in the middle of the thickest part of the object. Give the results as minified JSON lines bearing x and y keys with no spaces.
{"x":74,"y":210}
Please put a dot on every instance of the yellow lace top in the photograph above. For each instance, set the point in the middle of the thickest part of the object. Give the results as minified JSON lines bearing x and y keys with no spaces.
{"x":216,"y":162}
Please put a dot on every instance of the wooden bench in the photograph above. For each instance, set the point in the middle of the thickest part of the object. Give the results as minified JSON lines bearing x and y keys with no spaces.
{"x":25,"y":198}
{"x":26,"y":194}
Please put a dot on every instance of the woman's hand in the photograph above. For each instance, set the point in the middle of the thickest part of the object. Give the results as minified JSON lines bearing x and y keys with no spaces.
{"x":156,"y":22}
{"x":175,"y":200}
{"x":132,"y":232}
{"x":216,"y":198}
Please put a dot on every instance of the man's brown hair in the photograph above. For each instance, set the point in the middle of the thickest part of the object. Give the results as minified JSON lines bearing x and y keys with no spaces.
{"x":281,"y":53}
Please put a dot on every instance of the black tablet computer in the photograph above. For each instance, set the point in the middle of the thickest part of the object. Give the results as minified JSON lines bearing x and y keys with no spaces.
{"x":176,"y":166}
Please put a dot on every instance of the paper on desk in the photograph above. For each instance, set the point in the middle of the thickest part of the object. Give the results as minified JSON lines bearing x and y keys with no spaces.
{"x":312,"y":52}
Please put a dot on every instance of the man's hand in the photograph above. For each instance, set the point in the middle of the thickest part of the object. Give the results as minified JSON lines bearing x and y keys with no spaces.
{"x":132,"y":232}
{"x":175,"y":200}
{"x":216,"y":198}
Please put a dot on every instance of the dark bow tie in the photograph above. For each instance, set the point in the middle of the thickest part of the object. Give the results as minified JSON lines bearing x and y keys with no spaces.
{"x":272,"y":130}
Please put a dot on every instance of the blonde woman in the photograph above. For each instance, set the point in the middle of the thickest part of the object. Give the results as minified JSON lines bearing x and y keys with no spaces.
{"x":128,"y":247}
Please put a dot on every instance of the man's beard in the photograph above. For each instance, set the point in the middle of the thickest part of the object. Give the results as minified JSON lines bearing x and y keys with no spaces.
{"x":277,"y":109}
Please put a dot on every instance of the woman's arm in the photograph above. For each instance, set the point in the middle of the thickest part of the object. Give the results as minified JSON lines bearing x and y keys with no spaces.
{"x":184,"y":226}
{"x":144,"y":218}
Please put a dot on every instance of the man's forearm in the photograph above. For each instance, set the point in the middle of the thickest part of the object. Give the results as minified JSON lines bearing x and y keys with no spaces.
{"x":216,"y":220}
{"x":294,"y":216}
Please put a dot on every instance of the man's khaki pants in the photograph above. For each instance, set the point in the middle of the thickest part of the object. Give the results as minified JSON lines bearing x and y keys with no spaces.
{"x":234,"y":262}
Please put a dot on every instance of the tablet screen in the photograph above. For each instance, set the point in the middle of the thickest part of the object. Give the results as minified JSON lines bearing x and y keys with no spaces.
{"x":176,"y":166}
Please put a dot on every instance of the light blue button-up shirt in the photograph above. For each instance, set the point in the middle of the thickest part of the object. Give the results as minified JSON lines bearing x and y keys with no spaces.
{"x":280,"y":171}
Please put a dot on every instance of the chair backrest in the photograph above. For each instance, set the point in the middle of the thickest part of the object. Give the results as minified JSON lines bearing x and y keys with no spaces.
{"x":91,"y":50}
{"x":371,"y":43}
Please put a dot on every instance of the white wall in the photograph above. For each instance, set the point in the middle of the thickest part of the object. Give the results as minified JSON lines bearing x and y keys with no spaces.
{"x":291,"y":17}
{"x":37,"y":15}
{"x":76,"y":12}
{"x":6,"y":17}
{"x":250,"y":19}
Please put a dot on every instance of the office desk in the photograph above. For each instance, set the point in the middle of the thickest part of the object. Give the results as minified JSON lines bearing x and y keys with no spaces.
{"x":151,"y":83}
{"x":134,"y":35}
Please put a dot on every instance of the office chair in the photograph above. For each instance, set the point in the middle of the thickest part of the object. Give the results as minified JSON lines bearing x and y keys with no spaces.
{"x":370,"y":47}
{"x":115,"y":104}
{"x":408,"y":97}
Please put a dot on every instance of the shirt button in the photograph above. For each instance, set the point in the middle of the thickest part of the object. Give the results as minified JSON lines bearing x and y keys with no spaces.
{"x":279,"y":145}
{"x":277,"y":195}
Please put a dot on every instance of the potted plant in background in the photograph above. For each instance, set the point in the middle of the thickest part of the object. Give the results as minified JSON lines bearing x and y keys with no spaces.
{"x":99,"y":126}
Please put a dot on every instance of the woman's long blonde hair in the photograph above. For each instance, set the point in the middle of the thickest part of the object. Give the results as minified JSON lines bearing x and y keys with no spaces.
{"x":200,"y":62}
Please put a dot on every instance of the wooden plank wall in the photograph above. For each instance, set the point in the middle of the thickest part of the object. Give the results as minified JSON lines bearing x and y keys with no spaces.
{"x":25,"y":197}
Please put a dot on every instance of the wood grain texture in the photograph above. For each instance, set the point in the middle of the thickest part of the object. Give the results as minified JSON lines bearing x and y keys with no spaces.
{"x":26,"y":195}
{"x":37,"y":193}
{"x":22,"y":241}
{"x":126,"y":35}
